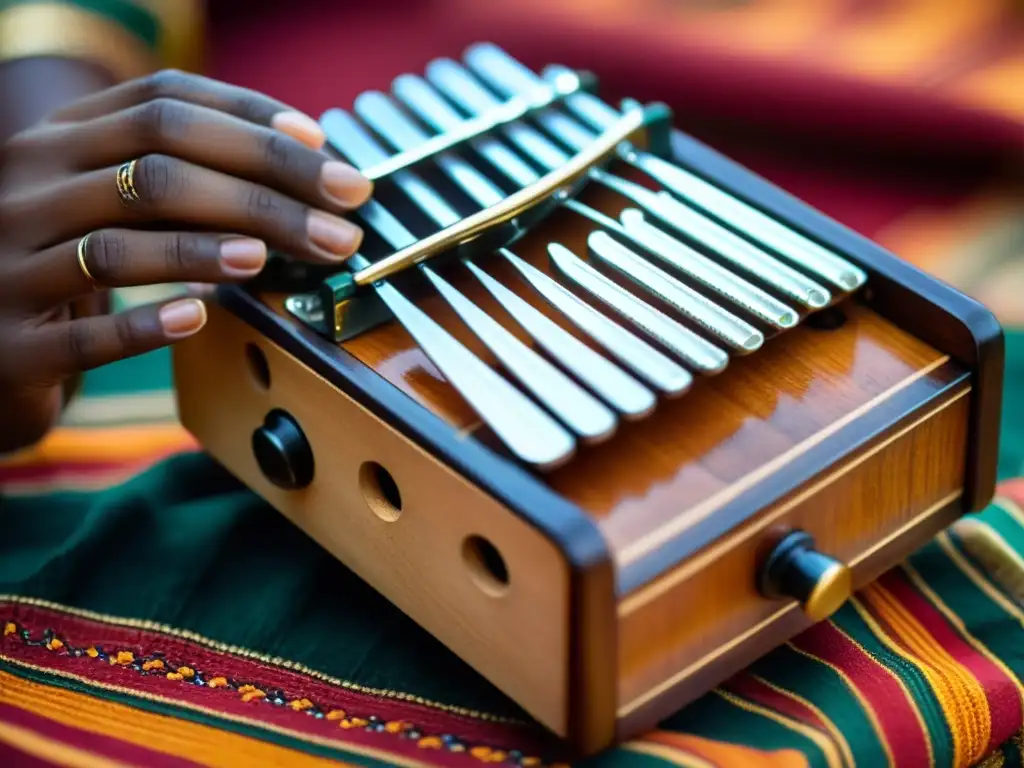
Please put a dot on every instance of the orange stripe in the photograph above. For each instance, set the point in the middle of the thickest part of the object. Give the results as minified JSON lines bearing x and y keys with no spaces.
{"x":59,"y":754}
{"x":998,"y":87}
{"x":906,"y":37}
{"x":159,"y":733}
{"x":961,"y":697}
{"x":827,"y":748}
{"x":105,"y":444}
{"x":723,"y":754}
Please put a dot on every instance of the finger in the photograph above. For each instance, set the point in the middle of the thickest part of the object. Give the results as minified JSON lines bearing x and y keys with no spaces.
{"x":243,"y":103}
{"x":215,"y":140}
{"x":62,"y":349}
{"x":122,"y":258}
{"x":176,"y":193}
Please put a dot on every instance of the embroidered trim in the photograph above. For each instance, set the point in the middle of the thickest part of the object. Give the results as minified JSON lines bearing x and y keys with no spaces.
{"x":156,"y":663}
{"x":245,"y":653}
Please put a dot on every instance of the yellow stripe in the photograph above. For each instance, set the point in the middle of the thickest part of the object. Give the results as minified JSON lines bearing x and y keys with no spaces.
{"x":952,"y":685}
{"x":49,"y":29}
{"x":949,"y":714}
{"x":1011,"y":507}
{"x":996,"y":88}
{"x":170,"y":735}
{"x":883,"y":669}
{"x":31,"y":743}
{"x":964,"y":567}
{"x":834,"y":732}
{"x":865,"y":705}
{"x":968,"y":695}
{"x":245,"y":653}
{"x":1002,"y":563}
{"x":828,"y":749}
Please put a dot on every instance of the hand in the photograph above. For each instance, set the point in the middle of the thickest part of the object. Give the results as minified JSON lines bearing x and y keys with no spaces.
{"x":219,"y":175}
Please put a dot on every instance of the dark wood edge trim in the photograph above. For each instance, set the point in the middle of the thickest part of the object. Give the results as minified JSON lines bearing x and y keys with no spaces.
{"x":788,"y":625}
{"x":920,"y":304}
{"x":831,"y":452}
{"x":593,"y":627}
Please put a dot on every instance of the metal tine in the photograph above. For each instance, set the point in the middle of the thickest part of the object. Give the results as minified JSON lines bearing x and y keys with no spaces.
{"x":453,"y":80}
{"x":510,"y":75}
{"x":695,"y":351}
{"x":658,"y":370}
{"x":572,"y":404}
{"x":607,"y":380}
{"x":740,"y":335}
{"x":528,"y":431}
{"x":716,"y":320}
{"x":647,"y":362}
{"x":634,"y":228}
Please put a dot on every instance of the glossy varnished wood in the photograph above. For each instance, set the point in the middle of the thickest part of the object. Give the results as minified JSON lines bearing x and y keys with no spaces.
{"x":517,"y":634}
{"x":695,"y":452}
{"x":686,"y":630}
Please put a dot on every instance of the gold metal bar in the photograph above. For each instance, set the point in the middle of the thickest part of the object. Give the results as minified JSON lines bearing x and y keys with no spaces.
{"x":516,"y":108}
{"x":472,"y":226}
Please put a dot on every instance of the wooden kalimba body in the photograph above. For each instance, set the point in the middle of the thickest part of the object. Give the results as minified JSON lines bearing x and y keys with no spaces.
{"x":604,"y":412}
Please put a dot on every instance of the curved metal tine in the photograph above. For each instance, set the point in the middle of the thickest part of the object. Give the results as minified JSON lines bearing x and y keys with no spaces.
{"x":658,"y":370}
{"x":789,"y":243}
{"x":420,"y":98}
{"x":568,"y":401}
{"x":603,"y":377}
{"x":611,"y":383}
{"x":383,"y":116}
{"x":463,"y":89}
{"x":608,"y":381}
{"x":585,"y":415}
{"x":450,"y":77}
{"x":728,"y":245}
{"x":530,"y":433}
{"x":695,"y":351}
{"x":740,"y":335}
{"x":703,"y":270}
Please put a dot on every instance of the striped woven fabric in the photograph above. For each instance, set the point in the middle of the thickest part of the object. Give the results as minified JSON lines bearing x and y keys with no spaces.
{"x":153,"y":613}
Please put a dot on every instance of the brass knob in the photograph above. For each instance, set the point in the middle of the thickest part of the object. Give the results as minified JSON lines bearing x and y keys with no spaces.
{"x":794,"y":569}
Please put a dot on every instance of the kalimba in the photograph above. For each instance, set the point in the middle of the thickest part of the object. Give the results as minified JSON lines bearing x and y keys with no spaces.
{"x":603,"y":411}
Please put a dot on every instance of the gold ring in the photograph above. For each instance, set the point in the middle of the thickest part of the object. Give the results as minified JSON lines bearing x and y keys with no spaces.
{"x":126,"y":183}
{"x":81,"y":261}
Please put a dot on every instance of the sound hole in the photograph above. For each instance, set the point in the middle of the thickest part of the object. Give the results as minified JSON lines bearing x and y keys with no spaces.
{"x":486,"y":565}
{"x":380,"y":491}
{"x":258,"y":365}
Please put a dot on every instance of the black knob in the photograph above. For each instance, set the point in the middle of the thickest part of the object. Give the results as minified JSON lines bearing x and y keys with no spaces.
{"x":794,"y":569}
{"x":282,"y":451}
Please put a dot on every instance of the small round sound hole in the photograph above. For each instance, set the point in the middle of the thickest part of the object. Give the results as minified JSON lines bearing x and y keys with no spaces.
{"x":380,"y":491}
{"x":486,"y":566}
{"x":258,"y":365}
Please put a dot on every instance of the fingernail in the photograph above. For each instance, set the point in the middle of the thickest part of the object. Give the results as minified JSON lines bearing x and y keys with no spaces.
{"x":300,"y":127}
{"x":182,"y":318}
{"x":345,"y":184}
{"x":243,"y":256}
{"x":335,"y":235}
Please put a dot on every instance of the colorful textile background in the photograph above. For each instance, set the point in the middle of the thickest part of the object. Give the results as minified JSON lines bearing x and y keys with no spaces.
{"x":153,"y":612}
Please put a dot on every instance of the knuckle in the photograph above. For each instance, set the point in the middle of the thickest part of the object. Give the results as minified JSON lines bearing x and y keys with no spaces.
{"x":159,"y":178}
{"x":183,"y":253}
{"x":165,"y":82}
{"x":79,"y":342}
{"x":263,"y":204}
{"x":162,"y":117}
{"x":107,"y":256}
{"x":278,"y":152}
{"x":131,"y":337}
